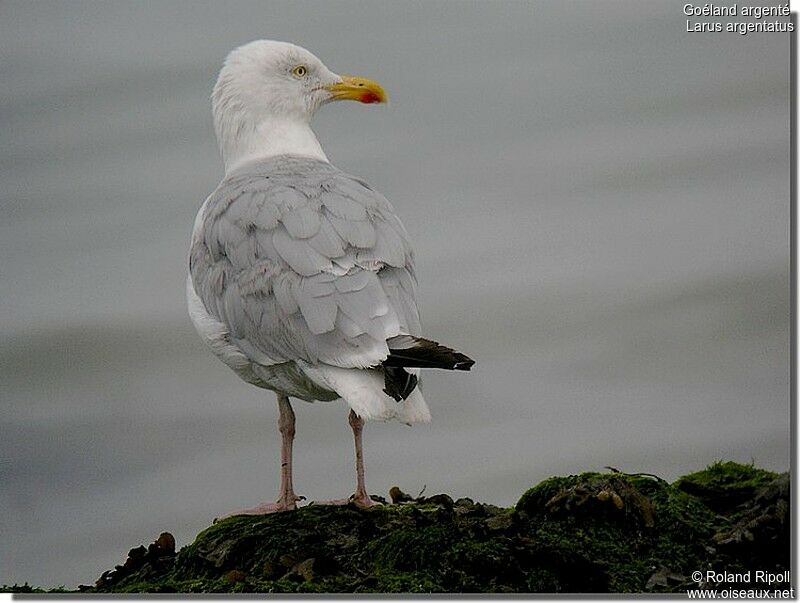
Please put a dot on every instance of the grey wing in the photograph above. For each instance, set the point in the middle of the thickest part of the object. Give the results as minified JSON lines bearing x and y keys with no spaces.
{"x":320,"y":270}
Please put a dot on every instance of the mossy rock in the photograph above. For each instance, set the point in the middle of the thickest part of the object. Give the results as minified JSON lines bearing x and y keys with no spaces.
{"x":725,"y":485}
{"x":418,"y":547}
{"x":27,"y":589}
{"x":589,"y":533}
{"x":626,"y":527}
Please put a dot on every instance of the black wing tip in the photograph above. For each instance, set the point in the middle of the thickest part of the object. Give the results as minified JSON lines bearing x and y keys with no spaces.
{"x":399,"y":383}
{"x":427,"y":353}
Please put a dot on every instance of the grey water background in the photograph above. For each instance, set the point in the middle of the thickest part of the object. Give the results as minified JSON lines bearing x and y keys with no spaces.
{"x":599,"y":203}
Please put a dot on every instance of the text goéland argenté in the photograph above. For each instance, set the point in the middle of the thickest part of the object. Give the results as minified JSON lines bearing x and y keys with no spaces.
{"x":734,"y":10}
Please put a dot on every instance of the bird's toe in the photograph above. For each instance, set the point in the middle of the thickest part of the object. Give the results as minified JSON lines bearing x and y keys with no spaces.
{"x":364,"y":501}
{"x":287,"y":504}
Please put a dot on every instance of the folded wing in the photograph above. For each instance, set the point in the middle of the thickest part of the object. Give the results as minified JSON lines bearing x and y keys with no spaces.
{"x":304,"y":262}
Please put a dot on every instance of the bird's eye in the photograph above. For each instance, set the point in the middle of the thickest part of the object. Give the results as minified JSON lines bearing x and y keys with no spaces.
{"x":300,"y":71}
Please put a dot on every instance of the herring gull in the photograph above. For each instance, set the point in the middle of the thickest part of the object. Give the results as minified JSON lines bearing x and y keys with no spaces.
{"x":301,"y":276}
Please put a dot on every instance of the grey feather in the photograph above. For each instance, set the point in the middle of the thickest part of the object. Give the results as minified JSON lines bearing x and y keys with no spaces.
{"x":347,"y":326}
{"x":284,"y":286}
{"x":359,"y":191}
{"x":319,"y":312}
{"x":303,"y":222}
{"x":317,"y":302}
{"x":304,"y":262}
{"x":258,"y":278}
{"x":242,"y":251}
{"x":344,"y":207}
{"x":389,"y":247}
{"x":359,"y":233}
{"x":265,"y":248}
{"x":268,"y":213}
{"x":286,"y":198}
{"x":318,"y":286}
{"x":403,"y":303}
{"x":301,"y":257}
{"x":346,"y":263}
{"x":352,"y":282}
{"x":327,"y":241}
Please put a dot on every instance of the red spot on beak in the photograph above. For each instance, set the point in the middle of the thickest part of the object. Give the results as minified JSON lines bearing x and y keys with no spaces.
{"x":369,"y":98}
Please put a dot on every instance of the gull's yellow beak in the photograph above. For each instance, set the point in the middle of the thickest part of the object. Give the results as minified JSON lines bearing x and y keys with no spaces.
{"x":358,"y":89}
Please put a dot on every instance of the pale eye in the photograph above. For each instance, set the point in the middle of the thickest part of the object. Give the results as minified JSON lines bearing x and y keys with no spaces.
{"x":300,"y":71}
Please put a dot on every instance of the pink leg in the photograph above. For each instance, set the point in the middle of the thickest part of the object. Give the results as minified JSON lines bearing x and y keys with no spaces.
{"x":360,"y":498}
{"x":287,"y":501}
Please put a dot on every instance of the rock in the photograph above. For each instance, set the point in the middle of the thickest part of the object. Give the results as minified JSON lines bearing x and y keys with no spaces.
{"x":760,"y":527}
{"x":165,"y":543}
{"x":217,"y":553}
{"x":271,"y":570}
{"x":437,"y":499}
{"x":664,"y":578}
{"x":234,"y":576}
{"x":398,"y":496}
{"x":499,"y":522}
{"x":479,"y":510}
{"x":140,"y":559}
{"x":725,"y":485}
{"x":305,"y":569}
{"x":594,"y":532}
{"x":136,"y":554}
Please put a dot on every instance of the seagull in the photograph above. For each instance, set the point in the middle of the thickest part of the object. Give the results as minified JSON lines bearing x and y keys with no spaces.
{"x":301,"y":276}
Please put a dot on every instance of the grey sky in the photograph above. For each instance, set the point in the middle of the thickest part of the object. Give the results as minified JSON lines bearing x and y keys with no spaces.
{"x":599,"y":205}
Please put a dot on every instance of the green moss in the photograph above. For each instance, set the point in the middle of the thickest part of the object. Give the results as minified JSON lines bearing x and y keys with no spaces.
{"x":725,"y":484}
{"x":621,"y":526}
{"x":409,"y":549}
{"x":28,"y":589}
{"x":593,"y":532}
{"x":403,"y":582}
{"x":727,"y":475}
{"x":534,"y":499}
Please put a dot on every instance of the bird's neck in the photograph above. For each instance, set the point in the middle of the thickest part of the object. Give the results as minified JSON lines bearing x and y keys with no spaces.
{"x":269,"y":137}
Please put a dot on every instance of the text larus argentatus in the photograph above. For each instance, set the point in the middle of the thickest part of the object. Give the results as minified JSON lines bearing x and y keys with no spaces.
{"x":301,"y":277}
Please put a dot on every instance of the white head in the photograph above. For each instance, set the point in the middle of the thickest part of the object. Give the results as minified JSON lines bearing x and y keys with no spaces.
{"x":265,"y":96}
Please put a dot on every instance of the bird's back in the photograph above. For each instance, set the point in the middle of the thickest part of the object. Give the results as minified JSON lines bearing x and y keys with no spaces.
{"x":302,"y":262}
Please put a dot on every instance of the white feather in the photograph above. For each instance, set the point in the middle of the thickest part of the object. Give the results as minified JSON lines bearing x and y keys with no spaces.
{"x":256,"y":117}
{"x":363,"y":392}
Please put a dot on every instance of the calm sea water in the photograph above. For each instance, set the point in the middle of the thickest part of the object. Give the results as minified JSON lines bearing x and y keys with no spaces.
{"x":599,"y":203}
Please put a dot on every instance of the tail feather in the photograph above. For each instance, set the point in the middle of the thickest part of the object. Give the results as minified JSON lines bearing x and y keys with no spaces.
{"x":417,"y":352}
{"x":362,"y":389}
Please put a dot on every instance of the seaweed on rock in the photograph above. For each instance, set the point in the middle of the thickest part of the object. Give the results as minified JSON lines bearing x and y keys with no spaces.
{"x":594,"y":532}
